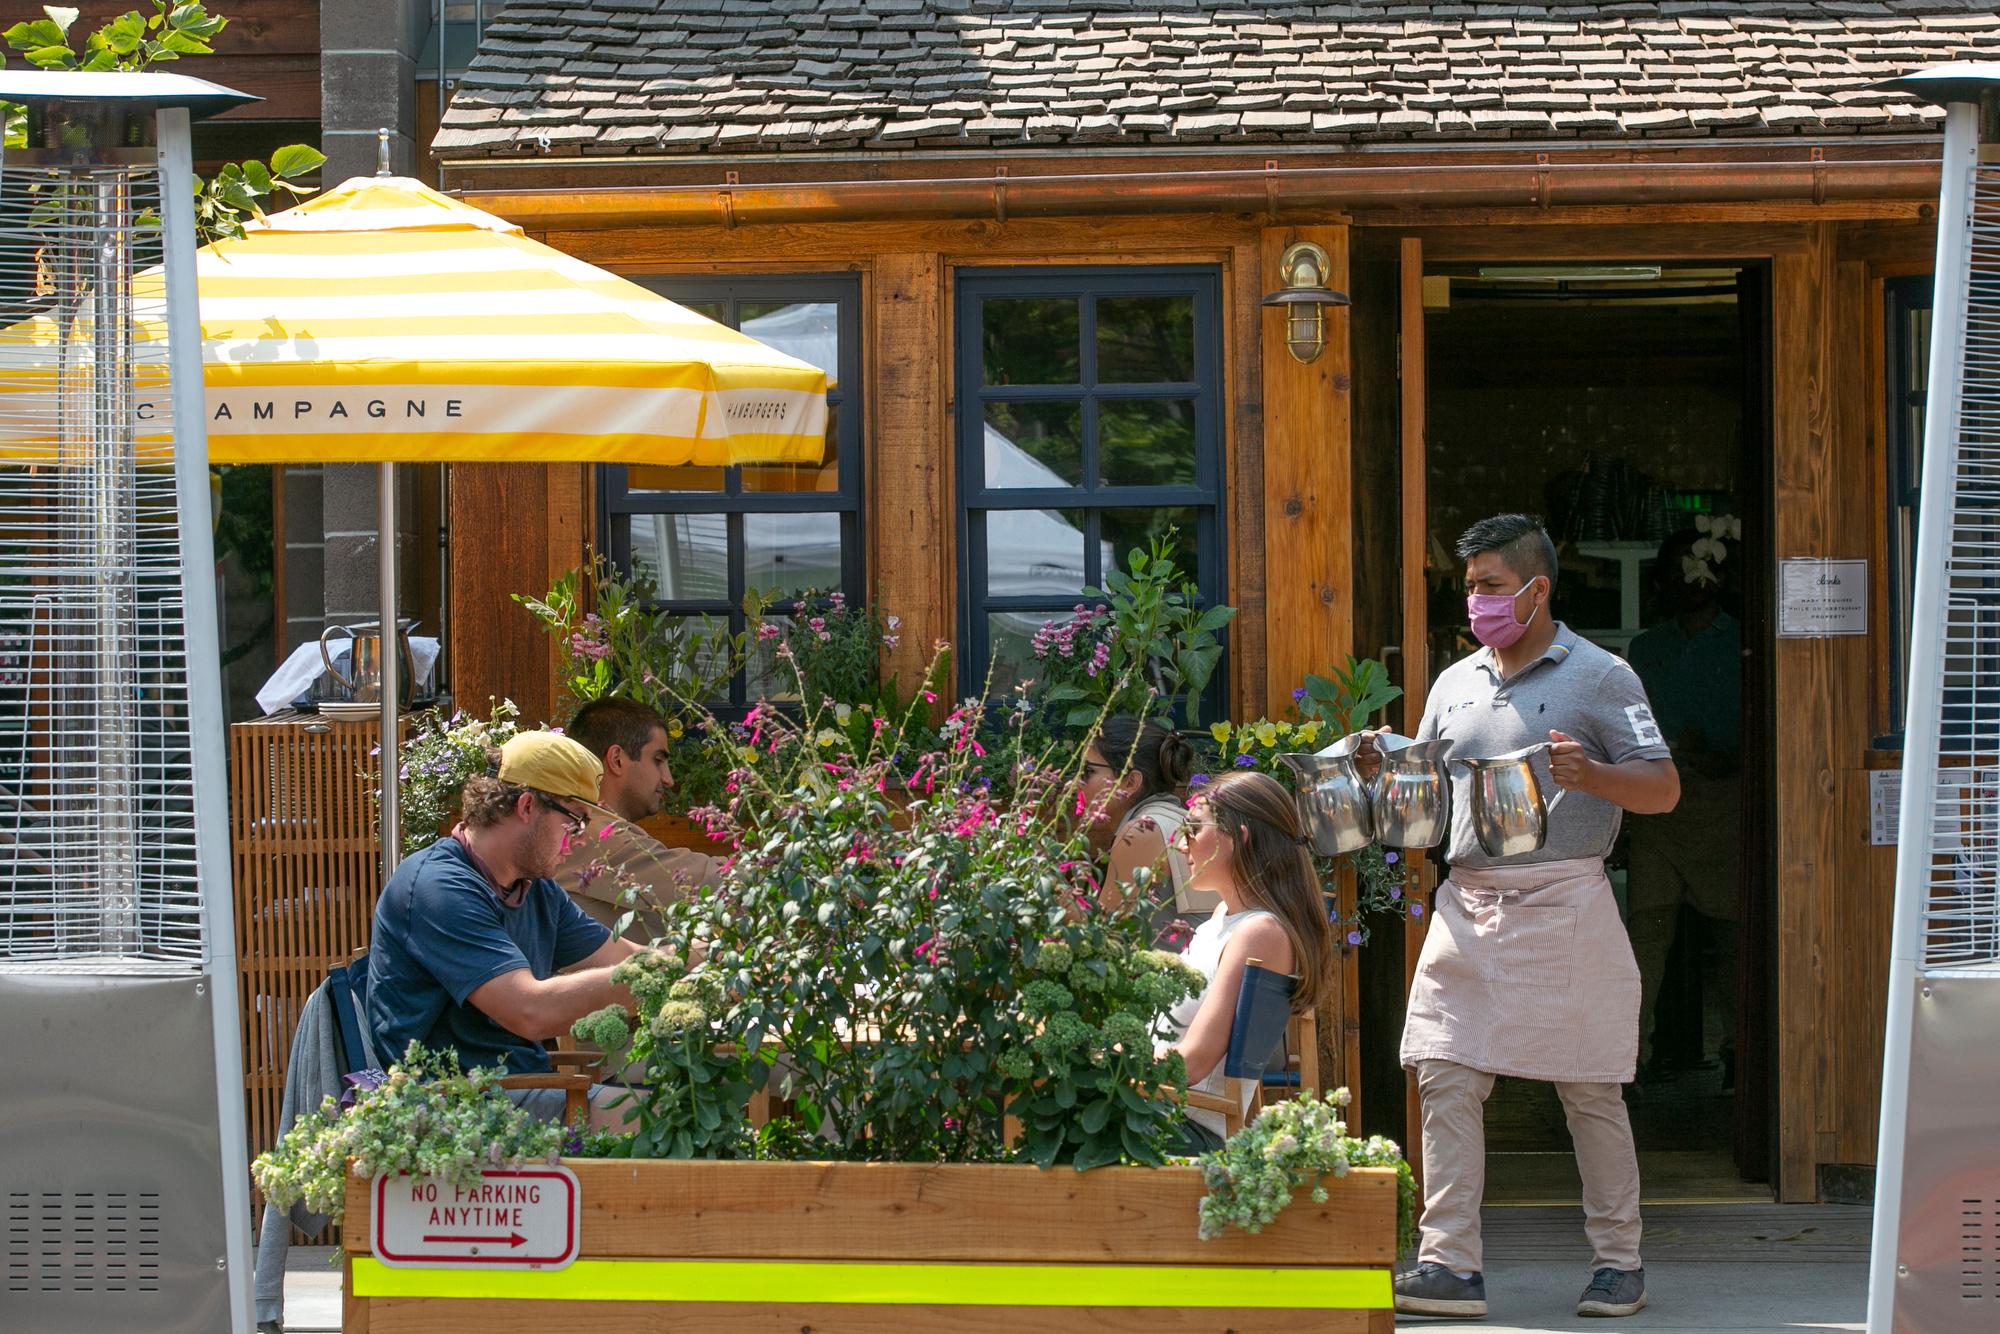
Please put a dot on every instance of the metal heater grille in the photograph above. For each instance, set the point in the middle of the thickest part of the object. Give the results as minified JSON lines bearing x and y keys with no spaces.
{"x":97,"y":829}
{"x":1962,"y":917}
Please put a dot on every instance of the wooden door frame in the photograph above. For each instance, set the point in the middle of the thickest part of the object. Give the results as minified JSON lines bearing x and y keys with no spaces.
{"x":1805,"y":437}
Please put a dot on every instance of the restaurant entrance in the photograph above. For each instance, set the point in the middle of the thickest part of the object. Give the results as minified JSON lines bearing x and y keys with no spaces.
{"x":1626,"y":403}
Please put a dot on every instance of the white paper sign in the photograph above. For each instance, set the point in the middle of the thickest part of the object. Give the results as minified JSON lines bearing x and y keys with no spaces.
{"x":1818,"y":598}
{"x":1885,"y":805}
{"x":515,"y":1218}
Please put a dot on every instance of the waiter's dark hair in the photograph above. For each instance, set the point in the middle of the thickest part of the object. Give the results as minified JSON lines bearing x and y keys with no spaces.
{"x":624,"y":723}
{"x":1163,"y":758}
{"x":1274,"y":870}
{"x":1521,"y":541}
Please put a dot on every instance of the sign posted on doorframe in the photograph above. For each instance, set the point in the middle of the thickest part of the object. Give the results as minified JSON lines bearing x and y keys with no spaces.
{"x":1818,"y":599}
{"x":514,"y":1218}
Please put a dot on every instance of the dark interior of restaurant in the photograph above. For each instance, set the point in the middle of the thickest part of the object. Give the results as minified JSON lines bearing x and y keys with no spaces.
{"x":1625,"y":404}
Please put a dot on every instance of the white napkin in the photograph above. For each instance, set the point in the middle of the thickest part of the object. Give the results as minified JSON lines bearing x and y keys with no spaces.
{"x":297,"y":673}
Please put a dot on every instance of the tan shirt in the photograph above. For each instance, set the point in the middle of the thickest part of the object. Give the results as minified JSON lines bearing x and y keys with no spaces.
{"x":596,"y":870}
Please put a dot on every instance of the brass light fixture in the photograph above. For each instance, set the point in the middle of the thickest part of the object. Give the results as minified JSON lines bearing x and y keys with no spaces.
{"x":1304,"y":299}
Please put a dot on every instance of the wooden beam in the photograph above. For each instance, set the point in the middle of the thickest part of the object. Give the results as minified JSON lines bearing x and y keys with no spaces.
{"x":1243,"y":471}
{"x":1309,"y":521}
{"x":909,"y":467}
{"x":501,"y":541}
{"x":1416,"y":602}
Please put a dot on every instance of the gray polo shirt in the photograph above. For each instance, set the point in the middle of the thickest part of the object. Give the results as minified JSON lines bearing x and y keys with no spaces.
{"x":1575,"y":688}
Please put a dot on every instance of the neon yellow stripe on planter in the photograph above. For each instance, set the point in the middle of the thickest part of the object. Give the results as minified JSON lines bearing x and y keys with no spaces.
{"x":861,"y":1284}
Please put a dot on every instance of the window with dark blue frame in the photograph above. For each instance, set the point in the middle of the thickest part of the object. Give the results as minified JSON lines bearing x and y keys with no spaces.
{"x":1089,"y":423}
{"x":1907,"y":340}
{"x":706,"y":537}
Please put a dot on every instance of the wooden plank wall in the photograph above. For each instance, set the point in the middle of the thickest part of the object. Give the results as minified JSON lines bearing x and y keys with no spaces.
{"x":269,"y":48}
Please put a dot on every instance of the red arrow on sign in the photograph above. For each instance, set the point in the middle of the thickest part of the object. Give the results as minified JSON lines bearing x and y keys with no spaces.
{"x":514,"y":1239}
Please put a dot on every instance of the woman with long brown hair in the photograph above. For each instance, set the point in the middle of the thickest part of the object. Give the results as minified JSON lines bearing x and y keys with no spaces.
{"x":1245,"y":844}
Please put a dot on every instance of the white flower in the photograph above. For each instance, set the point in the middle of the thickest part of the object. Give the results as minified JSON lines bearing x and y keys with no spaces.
{"x":1709,"y":548}
{"x":1696,"y":571}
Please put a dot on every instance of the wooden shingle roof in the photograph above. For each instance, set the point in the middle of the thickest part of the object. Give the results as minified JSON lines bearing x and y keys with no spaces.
{"x":720,"y":77}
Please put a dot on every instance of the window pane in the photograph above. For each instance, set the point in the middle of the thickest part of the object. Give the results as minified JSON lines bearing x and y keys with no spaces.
{"x":1145,"y":340}
{"x":1145,"y":442}
{"x":685,"y":555}
{"x":791,"y":552}
{"x":645,"y":477}
{"x":794,"y":477}
{"x":808,"y":330}
{"x":1034,"y":553}
{"x":1031,"y":340}
{"x":1034,"y":444}
{"x":1010,"y":643}
{"x":1126,"y":531}
{"x":714,"y":310}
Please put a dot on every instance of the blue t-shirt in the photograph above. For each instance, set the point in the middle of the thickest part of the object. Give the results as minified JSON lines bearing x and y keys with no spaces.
{"x":440,"y":934}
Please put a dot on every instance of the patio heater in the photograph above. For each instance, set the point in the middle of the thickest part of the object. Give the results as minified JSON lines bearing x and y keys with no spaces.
{"x":122,"y":1145}
{"x":1936,"y":1252}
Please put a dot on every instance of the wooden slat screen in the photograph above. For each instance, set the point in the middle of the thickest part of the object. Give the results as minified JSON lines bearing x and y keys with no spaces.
{"x":303,"y":850}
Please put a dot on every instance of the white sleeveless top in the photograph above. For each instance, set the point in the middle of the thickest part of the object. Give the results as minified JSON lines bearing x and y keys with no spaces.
{"x":1204,"y":953}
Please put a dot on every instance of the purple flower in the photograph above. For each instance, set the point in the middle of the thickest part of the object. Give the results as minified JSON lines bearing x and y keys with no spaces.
{"x":1198,"y":780}
{"x":1391,"y":858}
{"x":1245,"y":762}
{"x":1354,"y":937}
{"x":1395,"y":893}
{"x":1416,"y":910}
{"x":1299,"y":695}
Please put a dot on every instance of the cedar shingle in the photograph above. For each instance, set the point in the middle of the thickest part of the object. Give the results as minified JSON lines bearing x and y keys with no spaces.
{"x":723,"y":76}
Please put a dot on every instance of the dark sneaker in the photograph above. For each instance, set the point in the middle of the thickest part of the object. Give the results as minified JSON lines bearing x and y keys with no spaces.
{"x":1613,"y":1292}
{"x":1432,"y":1289}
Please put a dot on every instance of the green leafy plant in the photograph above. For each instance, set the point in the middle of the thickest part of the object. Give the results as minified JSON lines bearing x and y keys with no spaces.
{"x":1297,"y":1142}
{"x":439,"y":756}
{"x":696,"y":1089}
{"x":891,"y":908}
{"x":131,"y":42}
{"x":611,"y":641}
{"x":426,"y":1117}
{"x":1141,"y":644}
{"x":1355,"y":694}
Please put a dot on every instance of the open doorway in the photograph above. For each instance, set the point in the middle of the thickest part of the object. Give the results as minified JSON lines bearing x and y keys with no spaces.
{"x":1626,"y":404}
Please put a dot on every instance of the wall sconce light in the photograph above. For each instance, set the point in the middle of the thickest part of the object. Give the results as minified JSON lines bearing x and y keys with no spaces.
{"x":1304,"y":299}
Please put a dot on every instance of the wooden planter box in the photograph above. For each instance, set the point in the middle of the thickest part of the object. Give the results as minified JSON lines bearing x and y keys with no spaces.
{"x":865,"y":1247}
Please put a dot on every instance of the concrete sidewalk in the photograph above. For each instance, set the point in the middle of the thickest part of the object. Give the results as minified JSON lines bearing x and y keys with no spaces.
{"x":1726,"y":1269}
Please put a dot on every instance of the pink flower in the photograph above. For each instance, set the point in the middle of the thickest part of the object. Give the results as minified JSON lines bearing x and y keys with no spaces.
{"x":930,"y":697}
{"x":766,"y":630}
{"x":817,"y":624}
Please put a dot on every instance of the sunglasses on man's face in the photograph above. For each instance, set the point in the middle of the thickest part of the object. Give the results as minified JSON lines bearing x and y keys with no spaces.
{"x":573,"y":824}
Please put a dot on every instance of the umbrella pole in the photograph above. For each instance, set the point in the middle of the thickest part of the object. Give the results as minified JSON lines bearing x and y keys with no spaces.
{"x":392,"y":667}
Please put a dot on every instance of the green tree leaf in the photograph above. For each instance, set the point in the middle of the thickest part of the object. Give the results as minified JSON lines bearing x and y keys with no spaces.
{"x":296,"y":160}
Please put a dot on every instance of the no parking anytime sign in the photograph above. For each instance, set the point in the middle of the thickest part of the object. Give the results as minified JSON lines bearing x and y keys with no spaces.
{"x":514,"y":1218}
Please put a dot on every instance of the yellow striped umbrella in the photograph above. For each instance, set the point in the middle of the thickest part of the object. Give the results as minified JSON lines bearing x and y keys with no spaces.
{"x":385,"y":323}
{"x":382,"y":322}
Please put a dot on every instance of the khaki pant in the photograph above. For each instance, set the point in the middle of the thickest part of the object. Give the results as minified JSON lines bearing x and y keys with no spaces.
{"x":1454,"y":1131}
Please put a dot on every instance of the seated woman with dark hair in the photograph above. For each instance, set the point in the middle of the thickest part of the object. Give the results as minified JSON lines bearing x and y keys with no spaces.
{"x":1135,"y":777}
{"x":1244,"y":844}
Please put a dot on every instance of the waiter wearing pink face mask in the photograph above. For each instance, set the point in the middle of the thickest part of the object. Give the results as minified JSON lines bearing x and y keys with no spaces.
{"x":1526,"y":969}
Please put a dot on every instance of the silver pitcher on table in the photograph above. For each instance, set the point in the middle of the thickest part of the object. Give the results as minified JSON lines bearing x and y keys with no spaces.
{"x":1410,"y":803}
{"x":1333,"y":799}
{"x":1508,"y":813}
{"x":363,"y":677}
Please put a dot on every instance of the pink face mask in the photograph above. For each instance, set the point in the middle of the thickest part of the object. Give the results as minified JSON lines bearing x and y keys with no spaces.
{"x":1492,"y":616}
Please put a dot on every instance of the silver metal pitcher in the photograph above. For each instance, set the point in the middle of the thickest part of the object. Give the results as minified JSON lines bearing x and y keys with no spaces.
{"x":363,"y":677}
{"x":1410,"y":802}
{"x":1332,"y":799}
{"x":1508,"y":813}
